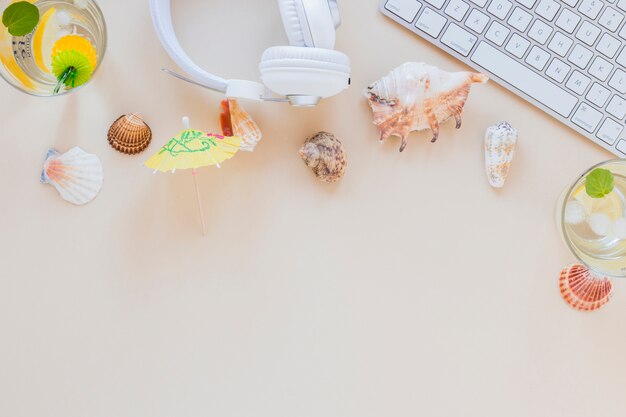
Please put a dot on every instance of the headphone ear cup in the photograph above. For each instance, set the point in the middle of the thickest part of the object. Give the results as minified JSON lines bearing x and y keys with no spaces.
{"x":291,"y":21}
{"x":299,"y":71}
{"x":308,"y":23}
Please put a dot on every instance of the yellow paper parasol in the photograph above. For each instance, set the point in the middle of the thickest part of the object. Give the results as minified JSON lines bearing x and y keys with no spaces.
{"x":193,"y":149}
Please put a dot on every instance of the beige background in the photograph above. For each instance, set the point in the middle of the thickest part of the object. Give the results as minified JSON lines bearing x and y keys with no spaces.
{"x":410,"y":288}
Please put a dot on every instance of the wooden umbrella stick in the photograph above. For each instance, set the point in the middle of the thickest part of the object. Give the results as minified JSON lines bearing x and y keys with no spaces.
{"x":195,"y":180}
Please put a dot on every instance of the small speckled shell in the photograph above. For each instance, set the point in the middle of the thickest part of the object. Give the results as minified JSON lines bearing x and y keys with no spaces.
{"x":129,"y":134}
{"x":326,"y":156}
{"x":582,"y":290}
{"x":500,"y":142}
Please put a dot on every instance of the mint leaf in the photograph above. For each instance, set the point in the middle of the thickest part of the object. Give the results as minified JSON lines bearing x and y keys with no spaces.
{"x":599,"y":183}
{"x":20,"y":18}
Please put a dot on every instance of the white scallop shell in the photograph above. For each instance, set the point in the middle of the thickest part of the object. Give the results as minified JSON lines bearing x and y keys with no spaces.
{"x":77,"y":175}
{"x":500,"y":142}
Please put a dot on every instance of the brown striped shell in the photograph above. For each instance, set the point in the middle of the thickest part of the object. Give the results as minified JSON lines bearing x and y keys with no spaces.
{"x":582,"y":290}
{"x":326,"y":156}
{"x":129,"y":134}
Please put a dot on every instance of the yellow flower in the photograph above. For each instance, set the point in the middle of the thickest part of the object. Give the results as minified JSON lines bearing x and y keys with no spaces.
{"x":78,"y":44}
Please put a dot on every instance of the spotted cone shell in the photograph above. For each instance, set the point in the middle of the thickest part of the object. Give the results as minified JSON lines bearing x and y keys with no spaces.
{"x":583,"y":290}
{"x":129,"y":134}
{"x":500,"y":143}
{"x":417,"y":96}
{"x":326,"y":156}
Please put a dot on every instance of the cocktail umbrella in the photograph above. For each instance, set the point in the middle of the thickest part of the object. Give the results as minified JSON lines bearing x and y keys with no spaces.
{"x":193,"y":149}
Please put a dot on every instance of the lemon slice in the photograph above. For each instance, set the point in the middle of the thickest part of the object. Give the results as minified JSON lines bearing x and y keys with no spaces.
{"x":44,"y":38}
{"x":609,"y":204}
{"x":11,"y":66}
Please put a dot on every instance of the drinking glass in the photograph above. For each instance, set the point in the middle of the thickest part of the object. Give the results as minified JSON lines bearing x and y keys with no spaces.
{"x":594,"y":229}
{"x":26,"y":61}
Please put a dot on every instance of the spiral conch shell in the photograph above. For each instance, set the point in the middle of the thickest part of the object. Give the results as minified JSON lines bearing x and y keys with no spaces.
{"x":500,"y":142}
{"x":417,"y":96}
{"x":326,"y":156}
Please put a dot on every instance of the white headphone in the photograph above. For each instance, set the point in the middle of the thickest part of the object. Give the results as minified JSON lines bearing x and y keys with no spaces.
{"x":304,"y":72}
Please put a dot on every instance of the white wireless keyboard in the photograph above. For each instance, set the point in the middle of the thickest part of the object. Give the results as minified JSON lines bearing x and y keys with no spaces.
{"x":566,"y":57}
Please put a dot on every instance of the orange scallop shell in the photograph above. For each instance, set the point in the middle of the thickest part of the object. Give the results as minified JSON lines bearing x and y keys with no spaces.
{"x":129,"y":134}
{"x":582,"y":290}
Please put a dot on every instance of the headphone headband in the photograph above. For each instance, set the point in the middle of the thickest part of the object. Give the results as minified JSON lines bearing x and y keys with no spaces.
{"x":162,"y":19}
{"x":301,"y":75}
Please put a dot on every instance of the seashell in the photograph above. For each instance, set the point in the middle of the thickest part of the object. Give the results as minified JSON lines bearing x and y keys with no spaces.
{"x":235,"y":121}
{"x":129,"y":134}
{"x":326,"y":156}
{"x":417,"y":96}
{"x":77,"y":175}
{"x":500,"y":142}
{"x":582,"y":290}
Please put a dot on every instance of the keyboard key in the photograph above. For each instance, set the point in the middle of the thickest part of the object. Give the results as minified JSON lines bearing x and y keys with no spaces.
{"x":617,"y":107}
{"x":622,"y":33}
{"x":621,"y":58}
{"x":610,"y":131}
{"x":520,"y":19}
{"x":568,"y":20}
{"x":580,"y":56}
{"x":431,"y":22}
{"x":578,"y":83}
{"x":557,"y":70}
{"x":456,"y":9}
{"x":539,"y":31}
{"x":497,"y":33}
{"x":621,"y":4}
{"x":588,"y":33}
{"x":527,"y":3}
{"x":618,"y":81}
{"x":547,"y":9}
{"x":499,"y":8}
{"x":524,"y":79}
{"x":621,"y":146}
{"x":600,"y":68}
{"x":591,"y":8}
{"x":517,"y":45}
{"x":537,"y":58}
{"x":560,"y":44}
{"x":587,"y":117}
{"x":477,"y":21}
{"x":571,"y":3}
{"x":479,"y":3}
{"x":404,"y":9}
{"x":436,"y":3}
{"x":459,"y":39}
{"x":611,"y":19}
{"x":608,"y":45}
{"x":598,"y":95}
